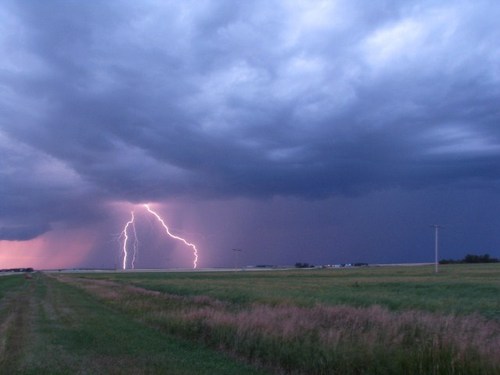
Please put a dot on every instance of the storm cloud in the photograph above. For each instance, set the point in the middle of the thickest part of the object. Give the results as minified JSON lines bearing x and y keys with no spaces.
{"x":22,"y":233}
{"x":216,"y":100}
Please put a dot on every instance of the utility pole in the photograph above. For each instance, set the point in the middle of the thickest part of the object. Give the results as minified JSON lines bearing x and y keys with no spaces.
{"x":236,"y":255}
{"x":436,"y":245}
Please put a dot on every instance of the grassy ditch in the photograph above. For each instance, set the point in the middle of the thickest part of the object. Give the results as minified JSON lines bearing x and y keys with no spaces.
{"x":50,"y":327}
{"x":456,"y":290}
{"x":295,"y":336}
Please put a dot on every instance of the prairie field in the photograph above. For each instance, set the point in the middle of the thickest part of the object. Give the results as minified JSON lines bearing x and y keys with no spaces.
{"x":370,"y":320}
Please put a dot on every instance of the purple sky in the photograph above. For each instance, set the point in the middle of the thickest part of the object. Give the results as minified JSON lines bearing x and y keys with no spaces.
{"x":314,"y":131}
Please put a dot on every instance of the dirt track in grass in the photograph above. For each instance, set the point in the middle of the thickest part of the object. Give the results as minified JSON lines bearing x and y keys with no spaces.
{"x":49,"y":327}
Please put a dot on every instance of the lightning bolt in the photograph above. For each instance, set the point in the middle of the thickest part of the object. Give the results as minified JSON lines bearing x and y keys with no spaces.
{"x":136,"y":245}
{"x":195,"y":250}
{"x":125,"y":239}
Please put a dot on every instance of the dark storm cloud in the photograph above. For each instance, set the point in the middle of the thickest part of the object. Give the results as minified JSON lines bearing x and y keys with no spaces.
{"x":146,"y":100}
{"x":22,"y":233}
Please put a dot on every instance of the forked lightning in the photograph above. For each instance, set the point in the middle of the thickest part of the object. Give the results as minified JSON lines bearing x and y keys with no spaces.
{"x":131,"y":223}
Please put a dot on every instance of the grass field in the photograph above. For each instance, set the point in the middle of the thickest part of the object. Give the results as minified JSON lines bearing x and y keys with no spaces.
{"x":386,"y":320}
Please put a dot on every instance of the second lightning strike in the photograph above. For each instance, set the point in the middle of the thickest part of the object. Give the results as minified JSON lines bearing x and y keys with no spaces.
{"x":167,"y":230}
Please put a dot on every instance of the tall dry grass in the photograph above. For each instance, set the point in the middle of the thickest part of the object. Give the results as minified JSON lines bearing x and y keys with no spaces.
{"x":350,"y":340}
{"x":321,"y":339}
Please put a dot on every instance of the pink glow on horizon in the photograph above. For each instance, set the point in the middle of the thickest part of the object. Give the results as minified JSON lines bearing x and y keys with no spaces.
{"x":53,"y":250}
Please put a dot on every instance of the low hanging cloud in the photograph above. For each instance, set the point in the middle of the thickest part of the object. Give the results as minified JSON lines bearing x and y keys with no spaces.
{"x":23,"y":233}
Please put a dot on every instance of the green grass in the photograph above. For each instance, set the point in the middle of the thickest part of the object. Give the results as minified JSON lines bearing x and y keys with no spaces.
{"x":59,"y":329}
{"x":457,"y":289}
{"x":387,"y":320}
{"x":10,"y":283}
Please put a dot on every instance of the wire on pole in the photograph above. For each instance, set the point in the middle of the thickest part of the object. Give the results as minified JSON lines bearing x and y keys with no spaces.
{"x":436,"y":246}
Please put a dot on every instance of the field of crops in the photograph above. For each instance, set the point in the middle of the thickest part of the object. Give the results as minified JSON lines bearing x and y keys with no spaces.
{"x":373,"y":320}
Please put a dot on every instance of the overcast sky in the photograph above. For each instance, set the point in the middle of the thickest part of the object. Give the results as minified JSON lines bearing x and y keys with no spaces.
{"x":314,"y":131}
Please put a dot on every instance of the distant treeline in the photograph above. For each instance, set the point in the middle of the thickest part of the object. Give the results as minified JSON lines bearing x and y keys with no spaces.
{"x":29,"y":269}
{"x":471,"y":258}
{"x":303,"y":265}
